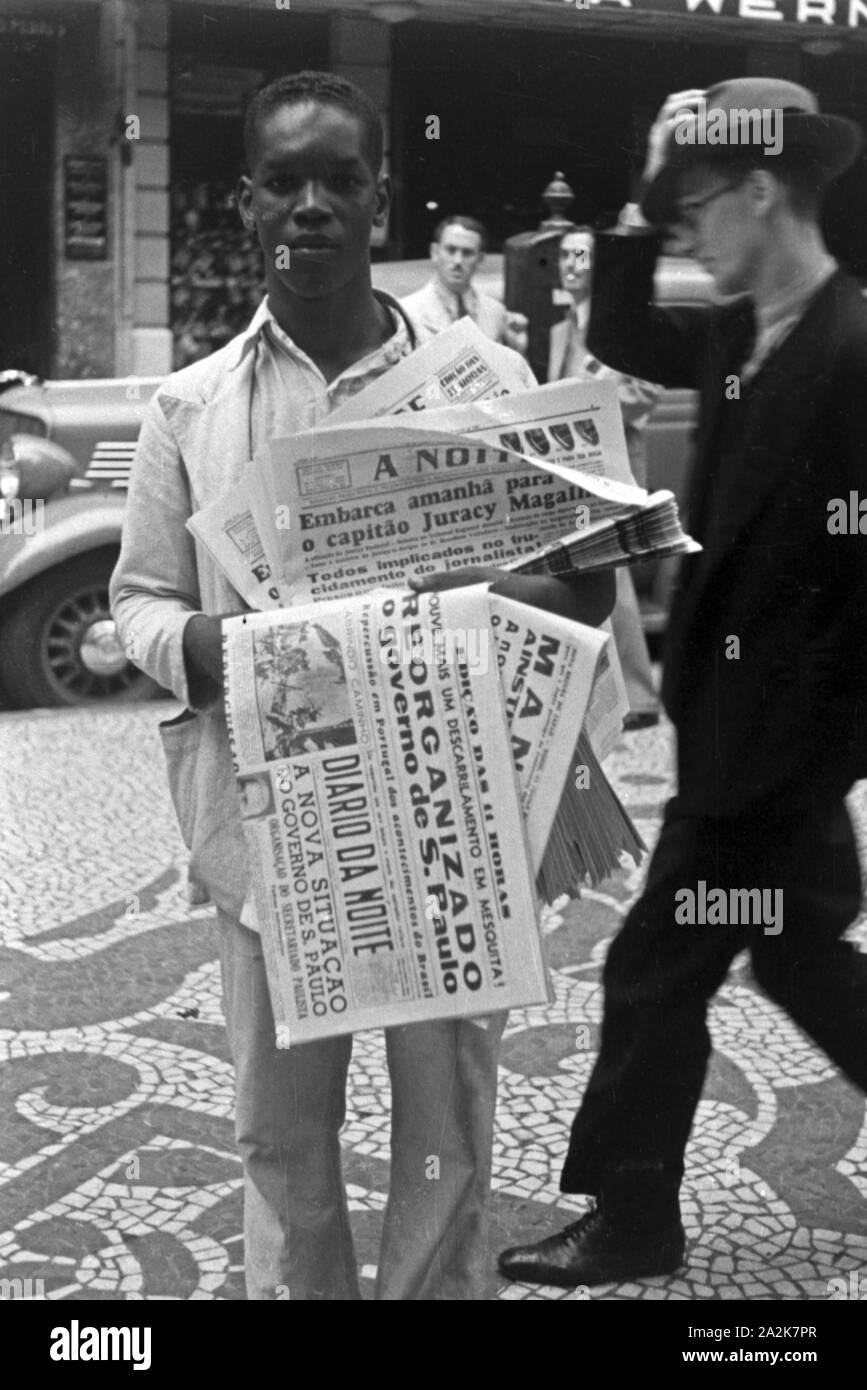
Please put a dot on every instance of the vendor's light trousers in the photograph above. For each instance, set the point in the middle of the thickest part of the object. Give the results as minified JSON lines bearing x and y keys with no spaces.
{"x":290,"y":1105}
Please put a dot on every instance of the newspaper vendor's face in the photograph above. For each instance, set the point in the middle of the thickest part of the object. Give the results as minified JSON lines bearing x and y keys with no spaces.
{"x":312,"y":198}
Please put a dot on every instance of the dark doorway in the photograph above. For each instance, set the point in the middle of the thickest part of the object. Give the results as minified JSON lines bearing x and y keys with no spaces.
{"x":517,"y":106}
{"x":26,"y":247}
{"x":218,"y":61}
{"x":840,"y":82}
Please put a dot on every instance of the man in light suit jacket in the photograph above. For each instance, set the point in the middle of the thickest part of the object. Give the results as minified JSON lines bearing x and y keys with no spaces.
{"x":569,"y":357}
{"x":456,"y":252}
{"x":766,"y":669}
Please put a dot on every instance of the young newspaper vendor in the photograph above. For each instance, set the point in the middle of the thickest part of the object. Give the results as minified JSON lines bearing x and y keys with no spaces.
{"x":314,"y":191}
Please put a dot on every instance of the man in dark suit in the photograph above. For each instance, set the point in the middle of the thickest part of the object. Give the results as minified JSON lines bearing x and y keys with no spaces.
{"x":766,"y":670}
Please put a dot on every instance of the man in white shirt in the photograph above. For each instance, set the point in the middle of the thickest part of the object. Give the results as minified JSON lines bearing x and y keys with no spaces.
{"x":569,"y":358}
{"x":457,"y":251}
{"x":315,"y":189}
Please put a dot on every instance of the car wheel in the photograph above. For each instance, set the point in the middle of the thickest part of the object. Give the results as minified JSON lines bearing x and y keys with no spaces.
{"x":58,"y":643}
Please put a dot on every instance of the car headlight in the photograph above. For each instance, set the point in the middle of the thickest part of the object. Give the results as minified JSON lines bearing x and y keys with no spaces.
{"x":16,"y":422}
{"x":10,"y":472}
{"x":34,"y":468}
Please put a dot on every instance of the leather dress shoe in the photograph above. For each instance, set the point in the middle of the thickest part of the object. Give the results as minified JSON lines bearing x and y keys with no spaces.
{"x":593,"y":1251}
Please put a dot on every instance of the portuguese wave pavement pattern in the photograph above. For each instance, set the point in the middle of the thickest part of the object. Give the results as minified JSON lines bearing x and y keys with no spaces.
{"x":118,"y":1174}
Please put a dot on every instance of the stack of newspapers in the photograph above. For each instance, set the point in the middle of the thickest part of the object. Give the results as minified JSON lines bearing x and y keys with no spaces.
{"x":417,"y":771}
{"x":652,"y":532}
{"x":410,"y":790}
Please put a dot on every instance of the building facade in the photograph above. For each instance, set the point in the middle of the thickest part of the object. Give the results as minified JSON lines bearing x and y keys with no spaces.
{"x":121,"y":125}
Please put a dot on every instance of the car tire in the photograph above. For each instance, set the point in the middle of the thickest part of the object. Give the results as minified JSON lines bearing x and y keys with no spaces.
{"x":42,"y":632}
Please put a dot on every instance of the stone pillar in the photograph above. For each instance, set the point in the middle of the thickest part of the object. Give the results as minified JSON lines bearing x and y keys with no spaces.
{"x":149,"y":191}
{"x":84,"y":290}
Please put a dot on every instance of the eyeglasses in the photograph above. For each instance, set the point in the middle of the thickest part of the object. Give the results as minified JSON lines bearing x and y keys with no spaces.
{"x":688,"y":217}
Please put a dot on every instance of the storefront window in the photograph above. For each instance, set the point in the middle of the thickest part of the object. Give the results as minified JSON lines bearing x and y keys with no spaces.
{"x":217,"y":275}
{"x":220,"y":58}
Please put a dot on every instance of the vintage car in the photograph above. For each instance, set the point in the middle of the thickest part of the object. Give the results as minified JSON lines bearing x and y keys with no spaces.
{"x":65,"y":453}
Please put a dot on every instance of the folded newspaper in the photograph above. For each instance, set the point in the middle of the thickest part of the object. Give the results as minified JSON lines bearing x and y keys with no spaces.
{"x":460,"y":365}
{"x":342,"y":509}
{"x":565,"y":703}
{"x":652,"y":532}
{"x":498,"y":480}
{"x":399,"y":760}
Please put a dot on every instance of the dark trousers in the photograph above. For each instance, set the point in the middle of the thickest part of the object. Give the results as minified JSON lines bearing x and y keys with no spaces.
{"x":660,"y":974}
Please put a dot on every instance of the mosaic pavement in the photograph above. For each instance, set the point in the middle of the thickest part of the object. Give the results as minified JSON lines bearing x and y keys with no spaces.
{"x":118,"y":1177}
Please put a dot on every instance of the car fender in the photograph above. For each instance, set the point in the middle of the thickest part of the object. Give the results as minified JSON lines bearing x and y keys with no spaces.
{"x":65,"y":527}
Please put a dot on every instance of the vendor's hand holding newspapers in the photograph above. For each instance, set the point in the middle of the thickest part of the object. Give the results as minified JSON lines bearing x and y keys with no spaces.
{"x":456,"y":579}
{"x":203,"y":645}
{"x":586,"y":598}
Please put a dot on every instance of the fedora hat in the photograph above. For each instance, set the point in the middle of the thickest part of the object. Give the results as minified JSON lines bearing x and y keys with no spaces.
{"x":829,"y":143}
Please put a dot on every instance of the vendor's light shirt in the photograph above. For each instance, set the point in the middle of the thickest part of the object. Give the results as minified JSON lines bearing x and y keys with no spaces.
{"x":290,"y":393}
{"x":197,"y":437}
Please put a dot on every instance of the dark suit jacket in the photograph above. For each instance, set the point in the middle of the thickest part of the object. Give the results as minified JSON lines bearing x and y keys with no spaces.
{"x":788,"y":719}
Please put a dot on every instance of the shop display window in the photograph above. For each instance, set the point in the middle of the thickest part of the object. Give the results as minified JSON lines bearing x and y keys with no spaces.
{"x":217,"y":275}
